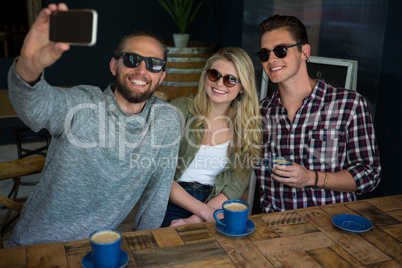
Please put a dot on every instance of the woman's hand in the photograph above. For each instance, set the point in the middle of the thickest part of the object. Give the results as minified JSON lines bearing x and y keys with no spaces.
{"x":192,"y":219}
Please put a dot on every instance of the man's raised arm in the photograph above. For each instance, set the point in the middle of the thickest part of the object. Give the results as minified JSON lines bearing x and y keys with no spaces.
{"x":38,"y":52}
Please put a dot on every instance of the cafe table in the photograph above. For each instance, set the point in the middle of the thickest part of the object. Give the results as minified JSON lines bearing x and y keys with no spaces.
{"x":299,"y":238}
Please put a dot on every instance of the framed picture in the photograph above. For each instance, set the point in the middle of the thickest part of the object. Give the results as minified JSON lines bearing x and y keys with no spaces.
{"x":336,"y":72}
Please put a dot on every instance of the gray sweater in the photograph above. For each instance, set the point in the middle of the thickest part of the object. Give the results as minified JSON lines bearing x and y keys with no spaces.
{"x":100,"y":163}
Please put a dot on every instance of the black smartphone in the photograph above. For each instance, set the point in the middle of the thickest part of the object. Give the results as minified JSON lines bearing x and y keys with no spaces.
{"x":77,"y":27}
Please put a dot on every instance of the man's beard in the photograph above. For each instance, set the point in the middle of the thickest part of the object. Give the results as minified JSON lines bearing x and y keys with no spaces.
{"x":132,"y":97}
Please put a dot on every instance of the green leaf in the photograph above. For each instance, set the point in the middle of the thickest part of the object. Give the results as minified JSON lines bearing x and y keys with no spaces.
{"x":181,"y":11}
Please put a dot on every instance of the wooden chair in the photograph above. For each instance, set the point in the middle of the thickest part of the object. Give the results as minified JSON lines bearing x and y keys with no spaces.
{"x":14,"y":169}
{"x":24,"y":136}
{"x":10,"y":204}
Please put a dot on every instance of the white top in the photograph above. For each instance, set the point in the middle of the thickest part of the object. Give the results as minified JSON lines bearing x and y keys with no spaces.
{"x":208,"y":162}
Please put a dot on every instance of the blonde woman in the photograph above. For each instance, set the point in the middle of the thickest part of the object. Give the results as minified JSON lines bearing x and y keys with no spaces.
{"x":220,"y":139}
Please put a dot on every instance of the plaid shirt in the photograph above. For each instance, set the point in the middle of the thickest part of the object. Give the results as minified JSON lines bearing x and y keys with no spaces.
{"x":331,"y":131}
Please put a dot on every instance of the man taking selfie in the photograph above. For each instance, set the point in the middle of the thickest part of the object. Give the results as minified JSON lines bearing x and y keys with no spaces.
{"x":110,"y":149}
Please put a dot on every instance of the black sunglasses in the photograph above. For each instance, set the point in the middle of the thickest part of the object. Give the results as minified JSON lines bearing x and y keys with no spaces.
{"x":132,"y":60}
{"x":279,"y":51}
{"x":228,"y":80}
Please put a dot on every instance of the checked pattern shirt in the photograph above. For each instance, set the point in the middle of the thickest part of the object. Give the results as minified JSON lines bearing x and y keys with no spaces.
{"x":331,"y":131}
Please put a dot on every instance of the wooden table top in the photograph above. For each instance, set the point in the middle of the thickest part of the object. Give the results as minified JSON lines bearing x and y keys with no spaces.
{"x":298,"y":238}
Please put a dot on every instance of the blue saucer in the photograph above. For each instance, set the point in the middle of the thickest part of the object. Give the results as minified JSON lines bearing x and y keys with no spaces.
{"x":352,"y":223}
{"x":88,"y":260}
{"x":250,"y":227}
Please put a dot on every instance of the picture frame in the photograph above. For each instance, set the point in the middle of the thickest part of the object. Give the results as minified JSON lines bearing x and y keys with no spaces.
{"x":334,"y":71}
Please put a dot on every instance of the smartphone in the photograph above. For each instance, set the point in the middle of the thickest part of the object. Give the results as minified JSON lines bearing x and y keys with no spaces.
{"x":77,"y":27}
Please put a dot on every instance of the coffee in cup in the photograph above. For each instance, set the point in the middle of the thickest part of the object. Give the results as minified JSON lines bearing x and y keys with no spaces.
{"x":269,"y":163}
{"x":105,"y":246}
{"x":282,"y":161}
{"x":235,"y":206}
{"x":105,"y":237}
{"x":235,"y":213}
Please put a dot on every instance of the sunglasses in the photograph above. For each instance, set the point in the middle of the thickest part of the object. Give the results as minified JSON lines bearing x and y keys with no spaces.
{"x":228,"y":80}
{"x":132,"y":60}
{"x":279,"y":51}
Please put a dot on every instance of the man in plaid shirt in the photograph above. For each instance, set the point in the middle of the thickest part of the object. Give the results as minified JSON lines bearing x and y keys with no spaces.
{"x":327,"y":132}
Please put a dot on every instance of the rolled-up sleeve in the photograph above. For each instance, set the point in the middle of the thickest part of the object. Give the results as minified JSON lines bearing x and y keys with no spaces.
{"x":363,"y":155}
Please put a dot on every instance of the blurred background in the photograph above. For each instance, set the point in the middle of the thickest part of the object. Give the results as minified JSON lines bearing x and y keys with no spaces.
{"x":367,"y":31}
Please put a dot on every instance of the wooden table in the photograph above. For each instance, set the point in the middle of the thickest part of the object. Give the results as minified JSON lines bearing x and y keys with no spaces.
{"x":299,"y":238}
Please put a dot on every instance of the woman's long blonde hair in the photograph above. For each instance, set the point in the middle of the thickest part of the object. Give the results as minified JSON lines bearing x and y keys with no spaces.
{"x":245,"y":127}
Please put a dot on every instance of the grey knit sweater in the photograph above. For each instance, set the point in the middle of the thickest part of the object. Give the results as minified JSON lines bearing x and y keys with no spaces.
{"x":100,"y":163}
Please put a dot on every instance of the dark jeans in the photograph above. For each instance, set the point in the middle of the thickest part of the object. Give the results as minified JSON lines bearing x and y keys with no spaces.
{"x":197,"y":190}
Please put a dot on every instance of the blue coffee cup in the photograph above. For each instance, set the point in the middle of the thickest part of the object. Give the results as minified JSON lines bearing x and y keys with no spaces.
{"x":105,"y":246}
{"x":235,"y":213}
{"x":269,"y":163}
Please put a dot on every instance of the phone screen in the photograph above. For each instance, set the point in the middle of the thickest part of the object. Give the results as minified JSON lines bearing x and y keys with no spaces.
{"x":77,"y":27}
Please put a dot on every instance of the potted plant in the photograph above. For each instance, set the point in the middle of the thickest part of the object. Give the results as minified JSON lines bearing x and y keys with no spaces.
{"x":183,"y":14}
